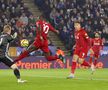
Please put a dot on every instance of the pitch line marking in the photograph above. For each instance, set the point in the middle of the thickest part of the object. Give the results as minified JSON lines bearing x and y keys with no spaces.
{"x":94,"y":79}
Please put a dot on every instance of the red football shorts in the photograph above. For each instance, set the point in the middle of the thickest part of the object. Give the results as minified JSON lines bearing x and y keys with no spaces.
{"x":96,"y":52}
{"x":43,"y":45}
{"x":82,"y":53}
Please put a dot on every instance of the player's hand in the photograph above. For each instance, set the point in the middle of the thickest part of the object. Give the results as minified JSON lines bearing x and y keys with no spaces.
{"x":74,"y":46}
{"x":15,"y":35}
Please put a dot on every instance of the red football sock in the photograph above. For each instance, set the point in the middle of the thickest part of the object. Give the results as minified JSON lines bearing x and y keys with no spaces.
{"x":85,"y":64}
{"x":90,"y":60}
{"x":73,"y":68}
{"x":23,"y":55}
{"x":52,"y":58}
{"x":95,"y":62}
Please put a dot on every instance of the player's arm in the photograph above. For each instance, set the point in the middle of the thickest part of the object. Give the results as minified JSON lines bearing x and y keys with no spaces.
{"x":53,"y":29}
{"x":87,"y":37}
{"x":1,"y":40}
{"x":38,"y":25}
{"x":38,"y":28}
{"x":102,"y":44}
{"x":12,"y":37}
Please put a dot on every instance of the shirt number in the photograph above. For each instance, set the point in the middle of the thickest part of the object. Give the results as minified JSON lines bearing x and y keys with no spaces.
{"x":45,"y":28}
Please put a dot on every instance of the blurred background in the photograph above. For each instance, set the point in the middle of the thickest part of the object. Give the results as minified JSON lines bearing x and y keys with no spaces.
{"x":22,"y":15}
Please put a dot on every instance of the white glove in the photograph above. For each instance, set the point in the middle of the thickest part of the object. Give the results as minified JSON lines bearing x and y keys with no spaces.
{"x":15,"y":35}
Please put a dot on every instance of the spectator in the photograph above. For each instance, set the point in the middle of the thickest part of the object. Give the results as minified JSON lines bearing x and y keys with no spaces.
{"x":24,"y":19}
{"x":14,"y":12}
{"x":93,"y":15}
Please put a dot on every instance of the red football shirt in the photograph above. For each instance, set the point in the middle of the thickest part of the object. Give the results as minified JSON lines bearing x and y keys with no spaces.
{"x":97,"y":44}
{"x":82,"y":39}
{"x":44,"y":29}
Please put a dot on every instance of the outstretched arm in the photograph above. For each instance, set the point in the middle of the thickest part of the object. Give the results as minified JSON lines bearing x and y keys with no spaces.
{"x":53,"y":29}
{"x":12,"y":37}
{"x":1,"y":40}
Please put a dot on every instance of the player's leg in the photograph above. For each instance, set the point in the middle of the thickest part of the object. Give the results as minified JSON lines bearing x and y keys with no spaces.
{"x":17,"y":73}
{"x":74,"y":65}
{"x":52,"y":58}
{"x":49,"y":57}
{"x":96,"y":58}
{"x":83,"y":62}
{"x":46,"y":51}
{"x":25,"y":53}
{"x":74,"y":62}
{"x":9,"y":62}
{"x":91,"y":56}
{"x":82,"y":56}
{"x":95,"y":61}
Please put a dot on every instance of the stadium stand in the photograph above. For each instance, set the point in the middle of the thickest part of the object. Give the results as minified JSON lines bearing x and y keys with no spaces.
{"x":15,"y":13}
{"x":93,"y":15}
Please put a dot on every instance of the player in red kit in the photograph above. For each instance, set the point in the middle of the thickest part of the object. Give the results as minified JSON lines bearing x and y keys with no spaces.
{"x":41,"y":41}
{"x":96,"y":46}
{"x":81,"y":48}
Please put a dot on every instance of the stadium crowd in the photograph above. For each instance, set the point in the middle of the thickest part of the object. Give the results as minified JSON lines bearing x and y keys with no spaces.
{"x":15,"y":13}
{"x":93,"y":15}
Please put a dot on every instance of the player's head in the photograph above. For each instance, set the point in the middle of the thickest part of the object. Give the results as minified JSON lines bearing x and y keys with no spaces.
{"x":41,"y":17}
{"x":58,"y":48}
{"x":77,"y":25}
{"x":7,"y":29}
{"x":97,"y":35}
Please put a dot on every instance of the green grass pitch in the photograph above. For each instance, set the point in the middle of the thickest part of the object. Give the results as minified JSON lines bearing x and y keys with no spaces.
{"x":55,"y":79}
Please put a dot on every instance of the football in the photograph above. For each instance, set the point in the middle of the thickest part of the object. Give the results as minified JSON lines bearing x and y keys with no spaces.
{"x":24,"y":43}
